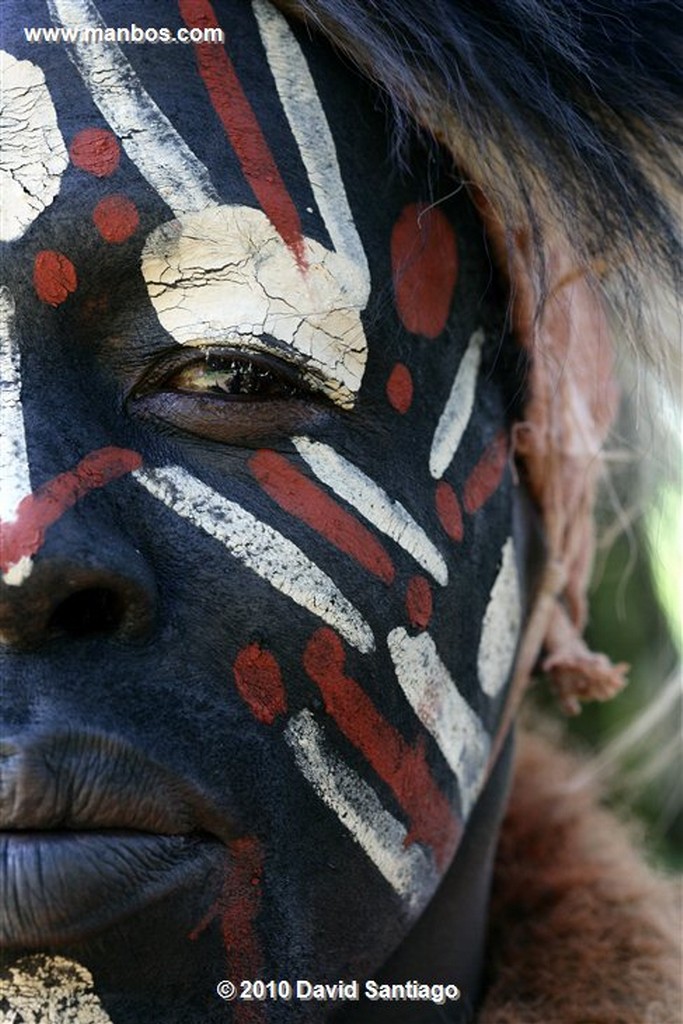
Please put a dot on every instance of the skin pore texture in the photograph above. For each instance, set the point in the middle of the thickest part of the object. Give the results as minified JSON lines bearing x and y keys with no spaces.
{"x":263,"y":555}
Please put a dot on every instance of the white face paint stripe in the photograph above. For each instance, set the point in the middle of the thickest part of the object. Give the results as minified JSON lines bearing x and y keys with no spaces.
{"x":15,"y":480}
{"x":260,"y":548}
{"x":434,"y":697}
{"x":39,"y":988}
{"x":408,"y":869}
{"x":370,"y":501}
{"x":161,"y":155}
{"x":502,"y":624}
{"x":458,"y":409}
{"x":307,"y":120}
{"x":33,"y":156}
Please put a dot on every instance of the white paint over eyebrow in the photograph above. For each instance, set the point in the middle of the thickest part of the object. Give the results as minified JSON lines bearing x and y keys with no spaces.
{"x":160,"y":153}
{"x":33,"y":156}
{"x":408,"y":869}
{"x":307,"y":120}
{"x":225,"y":275}
{"x":458,"y":409}
{"x":502,"y":623}
{"x":43,"y":988}
{"x":433,"y":695}
{"x":260,"y":548}
{"x":15,"y":480}
{"x":367,"y":497}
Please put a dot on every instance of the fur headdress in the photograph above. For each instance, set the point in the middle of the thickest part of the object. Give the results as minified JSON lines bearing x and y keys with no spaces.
{"x":565,"y":118}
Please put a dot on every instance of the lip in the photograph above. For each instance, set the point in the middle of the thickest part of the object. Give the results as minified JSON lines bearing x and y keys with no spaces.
{"x":92,"y":829}
{"x":59,"y":887}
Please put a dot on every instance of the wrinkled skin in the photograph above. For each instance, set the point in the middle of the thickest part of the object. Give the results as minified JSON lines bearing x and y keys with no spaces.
{"x":217,"y":761}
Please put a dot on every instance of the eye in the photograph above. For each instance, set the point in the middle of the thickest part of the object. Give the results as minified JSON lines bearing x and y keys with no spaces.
{"x":235,"y":377}
{"x":234,"y":397}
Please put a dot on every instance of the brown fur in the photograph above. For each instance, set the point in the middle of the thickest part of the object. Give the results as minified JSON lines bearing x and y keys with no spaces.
{"x":584,"y":931}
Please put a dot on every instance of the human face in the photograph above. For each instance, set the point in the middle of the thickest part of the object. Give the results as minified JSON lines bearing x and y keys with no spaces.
{"x":260,"y":596}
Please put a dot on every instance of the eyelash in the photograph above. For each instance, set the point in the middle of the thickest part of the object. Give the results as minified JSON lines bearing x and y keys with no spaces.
{"x":249,"y":376}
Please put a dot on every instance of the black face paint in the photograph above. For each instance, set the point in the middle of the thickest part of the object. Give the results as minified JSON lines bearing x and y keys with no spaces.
{"x":260,"y":594}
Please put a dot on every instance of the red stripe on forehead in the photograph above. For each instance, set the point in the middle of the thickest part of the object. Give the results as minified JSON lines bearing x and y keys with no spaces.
{"x":240,"y":123}
{"x":401,"y":766}
{"x":302,"y":498}
{"x":36,"y":512}
{"x":259,"y":682}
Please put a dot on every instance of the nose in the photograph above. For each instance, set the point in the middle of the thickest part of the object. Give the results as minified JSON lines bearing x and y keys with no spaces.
{"x":65,"y":599}
{"x":84,"y":578}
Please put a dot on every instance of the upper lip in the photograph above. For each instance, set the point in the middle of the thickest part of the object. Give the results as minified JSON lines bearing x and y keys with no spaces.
{"x":86,"y":780}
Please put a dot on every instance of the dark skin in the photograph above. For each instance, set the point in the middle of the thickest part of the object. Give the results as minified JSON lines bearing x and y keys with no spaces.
{"x":219,"y":759}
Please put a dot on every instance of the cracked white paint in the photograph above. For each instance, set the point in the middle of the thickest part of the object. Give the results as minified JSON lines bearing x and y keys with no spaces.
{"x":50,"y":990}
{"x":33,"y":155}
{"x":501,"y":627}
{"x":407,"y":868}
{"x":433,"y":695}
{"x":15,"y":480}
{"x":224,"y":276}
{"x":458,"y":409}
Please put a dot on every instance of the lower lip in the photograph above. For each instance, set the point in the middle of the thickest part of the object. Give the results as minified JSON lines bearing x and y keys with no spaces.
{"x":58,"y":887}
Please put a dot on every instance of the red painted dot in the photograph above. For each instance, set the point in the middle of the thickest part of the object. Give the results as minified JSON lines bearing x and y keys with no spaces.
{"x":419,"y":601}
{"x":95,"y":150}
{"x":448,"y":510}
{"x":484,"y":479}
{"x":259,"y":682}
{"x":400,"y":388}
{"x":116,"y":218}
{"x":54,"y":277}
{"x":424,"y":260}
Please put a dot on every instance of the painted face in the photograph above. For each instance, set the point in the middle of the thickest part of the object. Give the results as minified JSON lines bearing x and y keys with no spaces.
{"x":260,"y":597}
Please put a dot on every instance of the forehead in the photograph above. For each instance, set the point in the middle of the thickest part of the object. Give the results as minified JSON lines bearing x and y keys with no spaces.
{"x":191,"y":125}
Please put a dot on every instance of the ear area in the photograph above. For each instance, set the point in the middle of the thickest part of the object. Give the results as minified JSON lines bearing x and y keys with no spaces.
{"x":560,"y":321}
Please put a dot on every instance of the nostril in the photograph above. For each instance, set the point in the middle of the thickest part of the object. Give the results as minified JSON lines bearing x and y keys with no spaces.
{"x":91,"y":610}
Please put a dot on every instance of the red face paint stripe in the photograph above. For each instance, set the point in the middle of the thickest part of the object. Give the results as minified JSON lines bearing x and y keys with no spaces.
{"x":259,"y":682}
{"x":419,"y":602}
{"x":237,"y":908}
{"x":302,"y":498}
{"x":54,"y":277}
{"x":400,"y":388}
{"x":484,"y":479}
{"x":424,"y":260}
{"x":239,"y":121}
{"x":37,"y":512}
{"x":448,"y":510}
{"x":402,"y":767}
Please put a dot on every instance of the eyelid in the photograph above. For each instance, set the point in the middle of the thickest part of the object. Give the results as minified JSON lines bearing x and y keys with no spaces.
{"x":234,"y":343}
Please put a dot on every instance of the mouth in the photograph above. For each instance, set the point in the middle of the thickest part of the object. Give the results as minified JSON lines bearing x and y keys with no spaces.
{"x":92,"y":830}
{"x":61,"y":887}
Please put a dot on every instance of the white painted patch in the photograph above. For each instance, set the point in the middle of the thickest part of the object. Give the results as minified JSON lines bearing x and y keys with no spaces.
{"x":408,"y":869}
{"x":502,"y":624}
{"x":33,"y":156}
{"x":224,"y":276}
{"x":458,"y":409}
{"x":374,"y":504}
{"x":15,"y":479}
{"x":260,"y":548}
{"x":307,"y":120}
{"x":161,"y":155}
{"x":434,"y":697}
{"x":50,"y":990}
